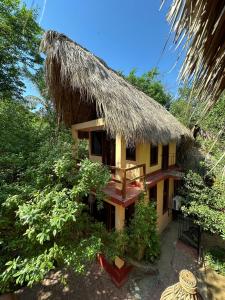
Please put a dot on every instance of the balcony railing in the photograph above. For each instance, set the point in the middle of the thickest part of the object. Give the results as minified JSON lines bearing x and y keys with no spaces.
{"x":124,"y":179}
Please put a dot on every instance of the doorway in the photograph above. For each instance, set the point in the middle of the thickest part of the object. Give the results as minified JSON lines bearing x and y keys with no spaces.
{"x":105,"y":214}
{"x":165,"y":157}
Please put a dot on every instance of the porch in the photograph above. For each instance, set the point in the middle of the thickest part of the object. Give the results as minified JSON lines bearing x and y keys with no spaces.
{"x":126,"y":190}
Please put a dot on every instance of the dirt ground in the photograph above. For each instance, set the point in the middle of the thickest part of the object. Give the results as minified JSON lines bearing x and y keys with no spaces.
{"x":96,"y":284}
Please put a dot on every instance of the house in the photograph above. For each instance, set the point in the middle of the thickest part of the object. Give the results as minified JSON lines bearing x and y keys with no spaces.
{"x":127,"y":130}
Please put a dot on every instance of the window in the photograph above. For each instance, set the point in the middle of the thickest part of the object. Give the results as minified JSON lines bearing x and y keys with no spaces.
{"x":96,"y":143}
{"x":153,"y":155}
{"x":153,"y":193}
{"x":165,"y":196}
{"x":131,"y":153}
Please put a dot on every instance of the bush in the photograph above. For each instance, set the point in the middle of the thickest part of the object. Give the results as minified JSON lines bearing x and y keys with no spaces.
{"x":142,"y":232}
{"x":215,"y":258}
{"x":205,"y":203}
{"x":42,"y":218}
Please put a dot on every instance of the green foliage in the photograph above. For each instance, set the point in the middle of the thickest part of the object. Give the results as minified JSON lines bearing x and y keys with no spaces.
{"x":206,"y":204}
{"x":204,"y":200}
{"x":186,"y":107}
{"x":142,"y":232}
{"x":215,"y":259}
{"x":42,"y":218}
{"x":115,"y":244}
{"x":19,"y":44}
{"x":92,"y":177}
{"x":83,"y":151}
{"x":150,"y":85}
{"x":181,"y":109}
{"x":139,"y":240}
{"x":214,"y":121}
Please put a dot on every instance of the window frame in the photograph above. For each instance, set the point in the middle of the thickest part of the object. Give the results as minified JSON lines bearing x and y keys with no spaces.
{"x":92,"y":133}
{"x":156,"y":193}
{"x":156,"y":161}
{"x":129,"y":156}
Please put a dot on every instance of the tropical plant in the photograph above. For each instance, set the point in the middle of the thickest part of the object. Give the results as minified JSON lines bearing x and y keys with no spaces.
{"x":142,"y":232}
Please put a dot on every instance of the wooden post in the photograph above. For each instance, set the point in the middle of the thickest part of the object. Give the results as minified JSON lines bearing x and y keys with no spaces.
{"x":124,"y":184}
{"x":75,"y":138}
{"x":144,"y":174}
{"x":120,"y":160}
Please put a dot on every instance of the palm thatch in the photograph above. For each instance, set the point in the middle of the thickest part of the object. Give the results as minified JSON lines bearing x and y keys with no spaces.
{"x":83,"y":88}
{"x":201,"y":24}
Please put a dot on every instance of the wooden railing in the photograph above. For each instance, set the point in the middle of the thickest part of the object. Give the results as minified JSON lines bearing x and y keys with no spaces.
{"x":124,"y":180}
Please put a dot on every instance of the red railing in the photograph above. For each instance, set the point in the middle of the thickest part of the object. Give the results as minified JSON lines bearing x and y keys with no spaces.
{"x":124,"y":180}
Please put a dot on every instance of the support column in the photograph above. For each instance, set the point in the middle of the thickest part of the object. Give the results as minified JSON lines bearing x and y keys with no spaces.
{"x":119,"y":217}
{"x":75,"y":138}
{"x":120,"y":158}
{"x":120,"y":151}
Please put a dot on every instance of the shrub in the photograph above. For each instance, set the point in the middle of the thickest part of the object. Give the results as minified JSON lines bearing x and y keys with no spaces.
{"x":142,"y":232}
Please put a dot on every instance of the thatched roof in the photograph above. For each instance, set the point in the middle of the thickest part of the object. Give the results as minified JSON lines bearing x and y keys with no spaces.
{"x":201,"y":24}
{"x":83,"y":87}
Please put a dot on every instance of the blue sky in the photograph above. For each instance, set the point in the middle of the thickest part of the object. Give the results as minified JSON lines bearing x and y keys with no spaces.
{"x":125,"y":33}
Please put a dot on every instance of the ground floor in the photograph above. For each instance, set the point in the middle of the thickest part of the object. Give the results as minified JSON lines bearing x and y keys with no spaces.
{"x":96,"y":284}
{"x":116,"y":215}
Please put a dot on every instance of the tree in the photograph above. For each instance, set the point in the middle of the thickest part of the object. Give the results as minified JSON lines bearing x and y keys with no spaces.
{"x":185,"y":108}
{"x":43,"y":221}
{"x":203,"y":185}
{"x":206,"y":204}
{"x":182,"y":111}
{"x":19,"y":44}
{"x":150,"y":85}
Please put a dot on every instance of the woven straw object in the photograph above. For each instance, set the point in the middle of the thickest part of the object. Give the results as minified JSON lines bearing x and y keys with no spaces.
{"x":185,"y":289}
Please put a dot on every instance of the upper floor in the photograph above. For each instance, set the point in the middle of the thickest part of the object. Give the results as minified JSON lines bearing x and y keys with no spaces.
{"x":114,"y":152}
{"x":131,"y":167}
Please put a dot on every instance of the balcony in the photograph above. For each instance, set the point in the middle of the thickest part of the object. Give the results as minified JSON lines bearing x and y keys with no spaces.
{"x":126,"y":181}
{"x":124,"y":187}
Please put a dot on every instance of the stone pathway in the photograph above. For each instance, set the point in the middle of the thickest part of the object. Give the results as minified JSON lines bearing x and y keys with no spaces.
{"x":174,"y":257}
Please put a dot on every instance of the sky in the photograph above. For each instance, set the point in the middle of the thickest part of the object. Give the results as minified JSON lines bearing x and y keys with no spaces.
{"x":126,"y":34}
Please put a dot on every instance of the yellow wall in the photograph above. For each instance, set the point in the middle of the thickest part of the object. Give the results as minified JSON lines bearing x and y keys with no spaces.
{"x":120,"y":157}
{"x":119,"y":214}
{"x":163,"y":218}
{"x":143,"y":157}
{"x":157,"y":167}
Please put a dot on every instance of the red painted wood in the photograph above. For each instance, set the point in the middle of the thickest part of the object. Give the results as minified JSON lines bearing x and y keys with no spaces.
{"x":118,"y":276}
